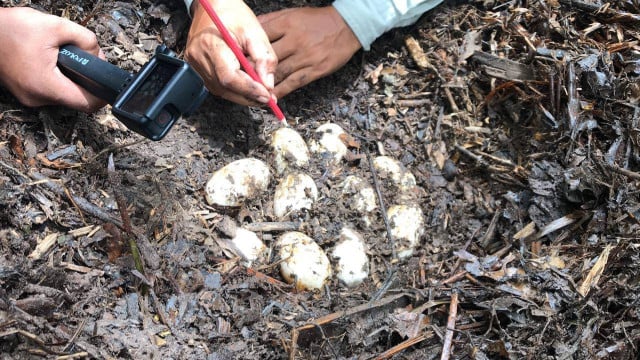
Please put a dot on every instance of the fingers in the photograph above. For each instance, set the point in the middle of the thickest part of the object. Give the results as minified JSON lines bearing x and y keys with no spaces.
{"x":271,"y":24}
{"x":214,"y":60}
{"x":217,"y":64}
{"x":69,"y":32}
{"x":265,"y":60}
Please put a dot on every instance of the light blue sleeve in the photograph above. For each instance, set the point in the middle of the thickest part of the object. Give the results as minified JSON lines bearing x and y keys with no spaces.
{"x":368,"y":19}
{"x":188,"y":3}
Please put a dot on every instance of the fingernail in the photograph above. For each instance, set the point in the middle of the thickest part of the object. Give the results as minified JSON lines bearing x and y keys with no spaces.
{"x":262,"y":99}
{"x":269,"y":81}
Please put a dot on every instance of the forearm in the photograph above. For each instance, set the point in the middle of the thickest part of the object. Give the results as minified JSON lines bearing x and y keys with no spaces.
{"x":369,"y":19}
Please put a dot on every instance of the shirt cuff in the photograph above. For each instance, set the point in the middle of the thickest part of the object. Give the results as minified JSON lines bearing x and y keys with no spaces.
{"x":369,"y":19}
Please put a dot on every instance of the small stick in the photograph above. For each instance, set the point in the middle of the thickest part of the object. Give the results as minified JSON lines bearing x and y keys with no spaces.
{"x":628,"y":173}
{"x":403,"y":345}
{"x":273,"y":226}
{"x":82,"y":203}
{"x":266,"y":278}
{"x":383,"y":209}
{"x":451,"y":326}
{"x":79,"y":355}
{"x":75,"y":336}
{"x":126,"y":220}
{"x":294,"y":344}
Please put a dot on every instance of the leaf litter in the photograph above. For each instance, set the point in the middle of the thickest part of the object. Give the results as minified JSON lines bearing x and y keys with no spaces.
{"x":519,"y":121}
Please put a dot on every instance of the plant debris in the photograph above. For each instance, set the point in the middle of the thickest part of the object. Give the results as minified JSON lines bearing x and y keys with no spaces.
{"x":518,"y":122}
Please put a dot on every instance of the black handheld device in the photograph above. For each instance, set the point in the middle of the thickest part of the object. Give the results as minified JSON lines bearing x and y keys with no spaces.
{"x":149,"y":102}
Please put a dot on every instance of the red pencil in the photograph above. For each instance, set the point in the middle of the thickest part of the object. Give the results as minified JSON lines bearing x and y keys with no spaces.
{"x":240,"y":55}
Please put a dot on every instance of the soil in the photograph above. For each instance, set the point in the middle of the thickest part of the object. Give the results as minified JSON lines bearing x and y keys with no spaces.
{"x":519,"y":121}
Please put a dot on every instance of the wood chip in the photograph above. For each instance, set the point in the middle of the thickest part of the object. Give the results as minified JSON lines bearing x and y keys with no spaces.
{"x":43,"y":246}
{"x":593,"y":276}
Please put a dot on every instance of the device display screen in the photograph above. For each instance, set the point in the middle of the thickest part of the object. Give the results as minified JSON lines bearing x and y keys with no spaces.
{"x":147,"y":92}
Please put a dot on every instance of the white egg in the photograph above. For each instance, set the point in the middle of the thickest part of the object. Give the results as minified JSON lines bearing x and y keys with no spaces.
{"x":393,"y":169}
{"x":407,"y":227}
{"x":295,"y":192}
{"x":403,"y":179}
{"x":328,"y":142}
{"x":360,"y":195}
{"x":289,"y":149}
{"x":350,"y":258}
{"x":237,"y":181}
{"x":247,"y":245}
{"x":303,"y":262}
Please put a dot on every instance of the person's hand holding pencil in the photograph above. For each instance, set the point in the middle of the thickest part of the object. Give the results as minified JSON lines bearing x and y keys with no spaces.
{"x":210,"y":55}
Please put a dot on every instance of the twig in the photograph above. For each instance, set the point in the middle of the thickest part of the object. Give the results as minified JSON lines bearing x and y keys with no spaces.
{"x":75,"y":335}
{"x":93,"y":351}
{"x":476,"y":158}
{"x":79,"y":355}
{"x":273,"y":226}
{"x":403,"y":345}
{"x":70,"y":197}
{"x":294,"y":344}
{"x":451,"y":326}
{"x":82,"y":203}
{"x":111,"y":149}
{"x":383,"y":209}
{"x":126,"y":220}
{"x":41,"y":344}
{"x":599,"y":11}
{"x":631,"y":174}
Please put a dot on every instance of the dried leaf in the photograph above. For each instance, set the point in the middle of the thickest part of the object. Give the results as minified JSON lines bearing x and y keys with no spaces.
{"x":416,"y":52}
{"x":349,"y":141}
{"x":374,"y":74}
{"x":15,"y":143}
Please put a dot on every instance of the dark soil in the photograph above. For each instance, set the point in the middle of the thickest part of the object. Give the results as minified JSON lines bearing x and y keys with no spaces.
{"x":519,"y":121}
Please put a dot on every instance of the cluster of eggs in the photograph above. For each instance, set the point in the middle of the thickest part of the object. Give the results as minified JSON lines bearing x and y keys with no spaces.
{"x":302,"y":261}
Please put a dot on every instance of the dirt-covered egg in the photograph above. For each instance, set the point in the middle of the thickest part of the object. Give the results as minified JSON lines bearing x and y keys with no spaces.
{"x":289,"y":148}
{"x":350,"y":258}
{"x":393,"y":169}
{"x":360,"y":195}
{"x":295,"y":192}
{"x":237,"y":181}
{"x":328,"y":142}
{"x":247,"y":245}
{"x":402,"y":178}
{"x":303,"y":262}
{"x":407,"y":226}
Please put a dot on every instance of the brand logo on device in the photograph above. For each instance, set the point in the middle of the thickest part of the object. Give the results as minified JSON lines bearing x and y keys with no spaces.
{"x":73,"y":56}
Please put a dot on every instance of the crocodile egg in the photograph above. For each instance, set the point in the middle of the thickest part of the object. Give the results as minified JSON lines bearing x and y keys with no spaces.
{"x":327,"y":140}
{"x":247,"y":245}
{"x":289,"y":148}
{"x":303,"y":262}
{"x":362,"y":198}
{"x":393,"y":169}
{"x":237,"y":181}
{"x":295,"y":192}
{"x":407,"y":226}
{"x":352,"y":263}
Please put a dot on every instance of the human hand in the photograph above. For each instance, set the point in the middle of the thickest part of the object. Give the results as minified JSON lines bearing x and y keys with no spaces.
{"x":211,"y":57}
{"x":310,"y":43}
{"x":29,"y":42}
